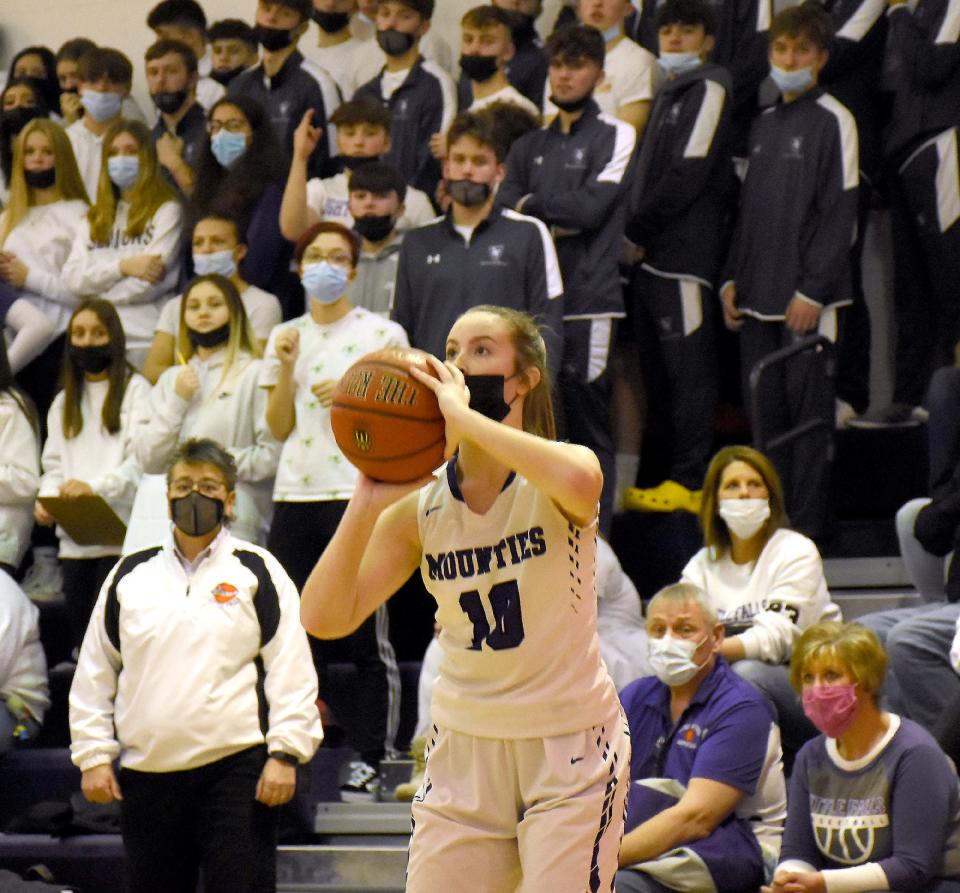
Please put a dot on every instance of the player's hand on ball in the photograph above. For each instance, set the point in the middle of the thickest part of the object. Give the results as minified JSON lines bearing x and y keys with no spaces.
{"x":323,"y":391}
{"x":288,"y":346}
{"x":452,"y":395}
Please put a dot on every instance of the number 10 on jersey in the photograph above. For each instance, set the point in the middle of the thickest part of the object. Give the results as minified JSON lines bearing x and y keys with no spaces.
{"x":504,"y":601}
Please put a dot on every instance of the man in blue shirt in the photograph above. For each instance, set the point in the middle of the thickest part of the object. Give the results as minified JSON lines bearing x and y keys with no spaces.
{"x":708,"y":801}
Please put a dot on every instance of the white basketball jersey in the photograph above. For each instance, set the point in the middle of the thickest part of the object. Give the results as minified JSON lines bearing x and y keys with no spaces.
{"x":516,"y":600}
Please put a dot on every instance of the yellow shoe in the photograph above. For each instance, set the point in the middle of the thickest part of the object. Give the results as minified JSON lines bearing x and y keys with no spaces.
{"x":408,"y":790}
{"x":666,"y":497}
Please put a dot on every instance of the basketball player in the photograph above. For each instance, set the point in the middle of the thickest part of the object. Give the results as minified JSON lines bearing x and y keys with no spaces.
{"x":527,"y":759}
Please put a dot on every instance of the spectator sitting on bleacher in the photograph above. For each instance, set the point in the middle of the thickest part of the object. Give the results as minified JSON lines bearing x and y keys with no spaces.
{"x":874,"y":803}
{"x":707,"y":802}
{"x":240,"y":175}
{"x":88,"y":451}
{"x":764,"y":580}
{"x":23,"y":668}
{"x":363,"y":137}
{"x":185,"y":643}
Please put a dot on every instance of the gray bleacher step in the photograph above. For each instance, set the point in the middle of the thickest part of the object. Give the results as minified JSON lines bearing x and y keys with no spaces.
{"x":866,"y":573}
{"x":342,"y":868}
{"x":362,"y":818}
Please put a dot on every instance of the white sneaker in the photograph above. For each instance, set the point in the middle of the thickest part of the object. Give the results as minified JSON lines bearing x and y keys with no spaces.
{"x":363,"y":783}
{"x":43,"y":582}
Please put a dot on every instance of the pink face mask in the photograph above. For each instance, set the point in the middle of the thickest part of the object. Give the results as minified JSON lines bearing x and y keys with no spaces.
{"x":831,"y":708}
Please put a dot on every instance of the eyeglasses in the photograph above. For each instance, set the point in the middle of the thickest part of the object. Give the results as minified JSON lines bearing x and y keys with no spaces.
{"x":337,"y":258}
{"x":234,"y":125}
{"x":206,"y":487}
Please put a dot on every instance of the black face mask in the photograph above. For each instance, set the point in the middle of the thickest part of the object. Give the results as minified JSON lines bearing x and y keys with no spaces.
{"x":213,"y":338}
{"x":169,"y":101}
{"x":468,"y":193}
{"x":273,"y":39}
{"x":374,"y":228}
{"x":196,"y":514}
{"x":41,"y":179}
{"x":479,"y":68}
{"x":486,"y":395}
{"x":14,"y":120}
{"x":352,"y":162}
{"x":225,"y":75}
{"x":331,"y":22}
{"x":572,"y":105}
{"x":393,"y":42}
{"x":94,"y":359}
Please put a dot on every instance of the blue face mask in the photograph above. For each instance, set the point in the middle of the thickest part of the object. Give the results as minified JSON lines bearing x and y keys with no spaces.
{"x":613,"y":32}
{"x":795,"y":81}
{"x":101,"y":106}
{"x":228,"y":147}
{"x":324,"y":282}
{"x":676,"y":64}
{"x":123,"y":170}
{"x":221,"y":262}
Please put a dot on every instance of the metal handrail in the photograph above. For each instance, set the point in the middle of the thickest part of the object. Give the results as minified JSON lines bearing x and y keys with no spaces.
{"x":779,"y":357}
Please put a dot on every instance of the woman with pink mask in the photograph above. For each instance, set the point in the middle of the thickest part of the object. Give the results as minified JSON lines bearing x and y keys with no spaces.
{"x":874,"y":802}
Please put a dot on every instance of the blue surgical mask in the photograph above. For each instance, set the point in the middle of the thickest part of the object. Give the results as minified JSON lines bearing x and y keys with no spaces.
{"x":324,"y":282}
{"x":672,"y":659}
{"x":795,"y":81}
{"x":101,"y":106}
{"x":613,"y":32}
{"x":228,"y":147}
{"x":678,"y":63}
{"x":221,"y":262}
{"x":123,"y":170}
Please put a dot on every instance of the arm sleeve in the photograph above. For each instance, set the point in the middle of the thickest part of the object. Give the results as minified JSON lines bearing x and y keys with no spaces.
{"x":258,"y":461}
{"x":825,"y":253}
{"x":693,"y":163}
{"x":88,"y":270}
{"x":734,"y":750}
{"x":93,"y":738}
{"x":120,"y":484}
{"x":19,"y":457}
{"x":157,"y":430}
{"x":290,"y":683}
{"x":796,"y":598}
{"x":544,"y":295}
{"x":51,"y":459}
{"x":928,"y":59}
{"x":848,"y":50}
{"x":34,"y":331}
{"x":324,"y":100}
{"x":588,"y":206}
{"x":514,"y":186}
{"x":403,"y":311}
{"x":799,"y":844}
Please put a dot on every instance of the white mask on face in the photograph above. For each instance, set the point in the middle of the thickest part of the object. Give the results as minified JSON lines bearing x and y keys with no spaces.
{"x":672,"y":659}
{"x":744,"y":517}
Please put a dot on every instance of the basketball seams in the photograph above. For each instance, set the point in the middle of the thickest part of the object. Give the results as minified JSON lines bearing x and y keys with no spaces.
{"x":363,"y":409}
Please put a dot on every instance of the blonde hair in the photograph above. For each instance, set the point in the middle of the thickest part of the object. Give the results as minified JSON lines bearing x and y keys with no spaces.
{"x":242,"y":344}
{"x":680,"y":594}
{"x":147,"y":195}
{"x":716,"y":537}
{"x":851,"y":644}
{"x":531,"y":351}
{"x":68,"y":183}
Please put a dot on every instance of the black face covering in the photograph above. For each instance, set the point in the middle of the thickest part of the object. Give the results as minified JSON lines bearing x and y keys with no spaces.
{"x":273,"y":39}
{"x":479,"y":68}
{"x":393,"y":42}
{"x":196,"y":514}
{"x":225,"y":75}
{"x":169,"y":101}
{"x":374,"y":228}
{"x":352,"y":162}
{"x":572,"y":105}
{"x":486,"y":395}
{"x":468,"y":193}
{"x":41,"y":179}
{"x":213,"y":338}
{"x":14,"y":120}
{"x":93,"y":359}
{"x":331,"y":22}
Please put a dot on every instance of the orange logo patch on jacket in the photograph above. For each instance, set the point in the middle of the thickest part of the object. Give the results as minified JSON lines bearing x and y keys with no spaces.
{"x":224,"y":593}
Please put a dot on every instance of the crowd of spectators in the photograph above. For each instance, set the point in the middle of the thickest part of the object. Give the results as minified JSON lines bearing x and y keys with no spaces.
{"x":659,"y":186}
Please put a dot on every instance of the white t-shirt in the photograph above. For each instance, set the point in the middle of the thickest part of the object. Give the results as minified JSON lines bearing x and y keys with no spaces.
{"x":263,"y":310}
{"x":351,"y":64}
{"x":631,"y":74}
{"x":312,"y":468}
{"x":328,"y":199}
{"x":42,"y":240}
{"x":103,"y":460}
{"x":88,"y":150}
{"x":508,"y":94}
{"x":770,"y":602}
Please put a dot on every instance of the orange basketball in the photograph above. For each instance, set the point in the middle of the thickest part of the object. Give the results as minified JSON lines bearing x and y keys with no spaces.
{"x":385,"y":421}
